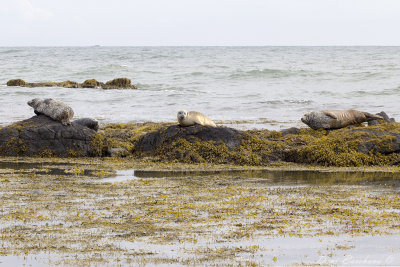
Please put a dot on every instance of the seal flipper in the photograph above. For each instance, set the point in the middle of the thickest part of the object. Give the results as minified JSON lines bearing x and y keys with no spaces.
{"x":371,"y":117}
{"x":329,"y":114}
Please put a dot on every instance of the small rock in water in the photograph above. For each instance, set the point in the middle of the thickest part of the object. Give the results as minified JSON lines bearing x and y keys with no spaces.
{"x":16,"y":82}
{"x":91,"y":83}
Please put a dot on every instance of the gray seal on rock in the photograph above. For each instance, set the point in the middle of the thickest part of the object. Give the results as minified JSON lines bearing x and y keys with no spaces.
{"x":193,"y":117}
{"x":336,"y":119}
{"x":88,"y":122}
{"x":52,"y":108}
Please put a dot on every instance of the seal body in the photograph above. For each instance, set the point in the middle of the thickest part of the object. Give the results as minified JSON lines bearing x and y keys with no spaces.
{"x":336,"y":119}
{"x":52,"y":108}
{"x":190,"y":118}
{"x":88,"y":122}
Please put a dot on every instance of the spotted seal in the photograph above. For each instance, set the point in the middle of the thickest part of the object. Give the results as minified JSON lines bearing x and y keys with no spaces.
{"x":52,"y":108}
{"x":190,"y":118}
{"x":336,"y":119}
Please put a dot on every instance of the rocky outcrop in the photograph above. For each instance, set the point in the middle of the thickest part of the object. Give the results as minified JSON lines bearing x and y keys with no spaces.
{"x":153,"y":142}
{"x":351,"y":146}
{"x":42,"y":136}
{"x":118,"y":83}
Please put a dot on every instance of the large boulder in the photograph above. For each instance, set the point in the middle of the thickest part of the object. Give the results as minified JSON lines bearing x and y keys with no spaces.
{"x":152,"y":142}
{"x":43,"y":136}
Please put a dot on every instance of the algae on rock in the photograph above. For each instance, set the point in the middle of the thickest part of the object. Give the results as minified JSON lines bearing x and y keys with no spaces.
{"x":118,"y":83}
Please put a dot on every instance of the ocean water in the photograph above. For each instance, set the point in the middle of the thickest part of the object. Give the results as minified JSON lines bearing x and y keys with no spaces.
{"x":243,"y":87}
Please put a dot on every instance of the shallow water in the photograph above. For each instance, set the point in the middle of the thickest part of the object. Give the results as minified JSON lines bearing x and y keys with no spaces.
{"x":252,"y":217}
{"x":248,"y":87}
{"x":271,"y":177}
{"x":335,"y":251}
{"x":48,"y":168}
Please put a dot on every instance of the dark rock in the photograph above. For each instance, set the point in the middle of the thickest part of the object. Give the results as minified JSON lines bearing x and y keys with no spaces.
{"x":292,"y":130}
{"x":87,"y":122}
{"x":42,"y":136}
{"x":151,"y":142}
{"x":379,"y":142}
{"x":384,"y":116}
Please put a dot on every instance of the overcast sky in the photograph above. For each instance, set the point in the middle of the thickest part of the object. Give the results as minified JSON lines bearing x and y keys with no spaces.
{"x":199,"y":22}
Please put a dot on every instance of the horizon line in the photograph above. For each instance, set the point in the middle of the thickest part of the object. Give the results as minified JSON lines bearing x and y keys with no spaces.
{"x":96,"y":45}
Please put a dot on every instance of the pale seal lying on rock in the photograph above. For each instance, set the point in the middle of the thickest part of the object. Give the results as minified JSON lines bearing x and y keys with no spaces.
{"x":88,"y":122}
{"x":336,"y":119}
{"x":54,"y":109}
{"x":193,"y":117}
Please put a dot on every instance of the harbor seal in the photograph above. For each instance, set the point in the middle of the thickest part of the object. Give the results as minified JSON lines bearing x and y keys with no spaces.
{"x":54,"y":109}
{"x":88,"y":122}
{"x":336,"y":119}
{"x":193,"y":117}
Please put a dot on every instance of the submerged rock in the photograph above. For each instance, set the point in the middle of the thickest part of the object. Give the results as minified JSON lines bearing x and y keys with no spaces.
{"x":42,"y":136}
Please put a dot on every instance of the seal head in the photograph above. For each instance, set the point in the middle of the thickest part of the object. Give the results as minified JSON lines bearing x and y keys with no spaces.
{"x":181,"y":115}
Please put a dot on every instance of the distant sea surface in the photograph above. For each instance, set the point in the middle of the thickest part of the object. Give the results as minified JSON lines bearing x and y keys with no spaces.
{"x":243,"y":87}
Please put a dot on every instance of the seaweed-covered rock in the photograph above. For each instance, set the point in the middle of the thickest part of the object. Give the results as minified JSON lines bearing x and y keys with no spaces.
{"x":355,"y":146}
{"x":42,"y":136}
{"x":119,"y":83}
{"x":16,"y":82}
{"x":191,"y":144}
{"x":69,"y":84}
{"x":152,"y":142}
{"x":91,"y":83}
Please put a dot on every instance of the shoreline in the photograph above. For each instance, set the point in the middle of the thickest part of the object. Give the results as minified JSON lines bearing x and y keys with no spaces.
{"x":168,"y":143}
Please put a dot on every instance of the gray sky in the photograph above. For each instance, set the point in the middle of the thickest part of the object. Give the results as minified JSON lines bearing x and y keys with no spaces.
{"x":199,"y":22}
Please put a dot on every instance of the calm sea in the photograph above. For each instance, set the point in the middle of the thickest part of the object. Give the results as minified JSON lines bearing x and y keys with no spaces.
{"x":244,"y":87}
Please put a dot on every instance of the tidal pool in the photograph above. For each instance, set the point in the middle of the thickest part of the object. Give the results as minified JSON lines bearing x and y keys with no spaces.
{"x":247,"y":217}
